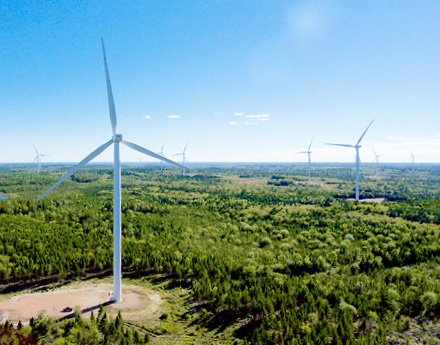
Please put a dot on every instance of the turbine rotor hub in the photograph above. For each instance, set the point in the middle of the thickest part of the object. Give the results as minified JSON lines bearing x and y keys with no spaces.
{"x":117,"y":138}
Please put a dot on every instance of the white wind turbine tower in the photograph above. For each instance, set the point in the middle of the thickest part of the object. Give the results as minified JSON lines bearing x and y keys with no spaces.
{"x":184,"y":160}
{"x":38,"y":158}
{"x":309,"y":153}
{"x":356,"y":147}
{"x":116,"y":140}
{"x":412,"y":159}
{"x":377,"y":162}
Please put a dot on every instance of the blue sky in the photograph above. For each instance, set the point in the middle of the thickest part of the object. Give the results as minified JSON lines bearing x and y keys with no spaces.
{"x":240,"y":81}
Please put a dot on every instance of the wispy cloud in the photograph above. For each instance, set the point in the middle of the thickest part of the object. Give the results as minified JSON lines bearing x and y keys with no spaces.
{"x":238,"y":114}
{"x":413,"y":141}
{"x":255,"y":119}
{"x":174,"y":116}
{"x":261,"y":117}
{"x":146,"y":117}
{"x":400,"y":139}
{"x":232,"y":123}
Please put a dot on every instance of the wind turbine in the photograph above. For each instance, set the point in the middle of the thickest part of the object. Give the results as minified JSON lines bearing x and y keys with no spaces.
{"x":116,"y":140}
{"x":309,"y":153}
{"x":412,"y":159}
{"x":38,"y":158}
{"x":356,"y":147}
{"x":377,"y":162}
{"x":163,"y":155}
{"x":184,"y":160}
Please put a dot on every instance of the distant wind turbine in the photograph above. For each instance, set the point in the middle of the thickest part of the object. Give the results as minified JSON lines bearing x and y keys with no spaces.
{"x":183,"y":154}
{"x":412,"y":159}
{"x":163,"y":155}
{"x":38,"y":158}
{"x":356,"y":147}
{"x":309,"y":153}
{"x":116,"y":140}
{"x":377,"y":162}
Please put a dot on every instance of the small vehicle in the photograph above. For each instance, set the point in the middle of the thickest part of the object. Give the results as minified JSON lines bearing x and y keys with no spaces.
{"x":67,"y":309}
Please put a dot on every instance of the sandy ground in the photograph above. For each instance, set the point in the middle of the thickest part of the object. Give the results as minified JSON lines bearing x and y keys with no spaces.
{"x":138,"y":302}
{"x":378,"y":200}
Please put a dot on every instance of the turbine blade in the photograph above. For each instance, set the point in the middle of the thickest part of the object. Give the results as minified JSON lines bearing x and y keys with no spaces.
{"x":111,"y":102}
{"x":345,"y":145}
{"x":374,"y":152}
{"x":185,"y":148}
{"x":95,"y":153}
{"x":311,"y":141}
{"x":35,"y":149}
{"x":364,"y":133}
{"x":302,"y":152}
{"x":154,"y":155}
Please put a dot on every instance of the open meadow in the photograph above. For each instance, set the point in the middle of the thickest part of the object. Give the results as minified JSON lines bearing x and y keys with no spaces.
{"x":241,"y":254}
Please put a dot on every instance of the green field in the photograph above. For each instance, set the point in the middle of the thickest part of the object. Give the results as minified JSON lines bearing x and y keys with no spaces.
{"x":264,"y":257}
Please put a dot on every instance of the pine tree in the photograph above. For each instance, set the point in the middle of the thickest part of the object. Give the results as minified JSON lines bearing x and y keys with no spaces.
{"x":118,"y":321}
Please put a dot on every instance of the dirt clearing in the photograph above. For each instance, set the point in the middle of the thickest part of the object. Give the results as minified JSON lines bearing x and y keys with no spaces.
{"x":138,"y":302}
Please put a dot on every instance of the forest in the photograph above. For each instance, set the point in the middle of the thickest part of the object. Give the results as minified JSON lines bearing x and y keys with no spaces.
{"x":265,"y":257}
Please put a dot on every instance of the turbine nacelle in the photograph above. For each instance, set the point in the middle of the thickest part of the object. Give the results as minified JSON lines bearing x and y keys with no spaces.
{"x":117,"y":138}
